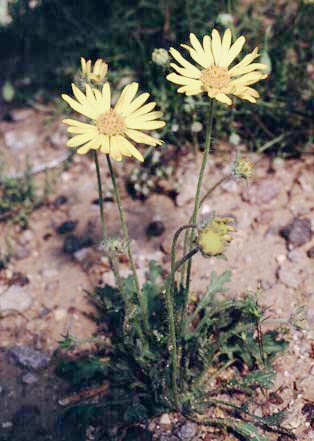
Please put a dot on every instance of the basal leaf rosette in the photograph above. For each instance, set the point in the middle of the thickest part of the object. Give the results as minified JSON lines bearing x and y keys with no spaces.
{"x":211,"y":71}
{"x":112,"y":129}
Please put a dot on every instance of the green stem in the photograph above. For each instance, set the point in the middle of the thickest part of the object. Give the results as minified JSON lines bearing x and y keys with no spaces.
{"x":186,"y":236}
{"x":127,"y":240}
{"x":198,"y":190}
{"x":112,"y":262}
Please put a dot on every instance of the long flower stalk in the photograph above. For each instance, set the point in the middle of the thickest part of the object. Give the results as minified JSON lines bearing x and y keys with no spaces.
{"x":198,"y":190}
{"x":104,"y":235}
{"x":127,"y":240}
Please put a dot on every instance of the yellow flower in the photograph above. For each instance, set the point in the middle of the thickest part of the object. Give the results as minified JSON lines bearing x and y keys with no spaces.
{"x":214,"y":76}
{"x":242,"y":168}
{"x":98,"y":73}
{"x":111,"y":127}
{"x":214,"y":238}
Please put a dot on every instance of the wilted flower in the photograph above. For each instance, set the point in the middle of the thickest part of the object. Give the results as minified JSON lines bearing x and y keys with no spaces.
{"x":97,"y":73}
{"x":215,"y":236}
{"x":111,"y":128}
{"x":234,"y":138}
{"x":242,"y":168}
{"x":161,"y":57}
{"x":214,"y":56}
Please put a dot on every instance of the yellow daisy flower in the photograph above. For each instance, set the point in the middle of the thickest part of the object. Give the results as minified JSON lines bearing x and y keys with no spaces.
{"x":214,"y":77}
{"x":99,"y":71}
{"x":111,"y":127}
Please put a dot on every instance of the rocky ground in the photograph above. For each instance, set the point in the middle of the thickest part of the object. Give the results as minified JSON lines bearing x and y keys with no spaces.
{"x":55,"y":260}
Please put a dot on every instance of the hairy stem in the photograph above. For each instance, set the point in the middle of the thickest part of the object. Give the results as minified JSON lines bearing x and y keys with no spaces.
{"x":127,"y":240}
{"x":112,"y":262}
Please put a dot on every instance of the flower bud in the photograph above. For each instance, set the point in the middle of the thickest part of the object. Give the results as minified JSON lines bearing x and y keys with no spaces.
{"x":114,"y":247}
{"x":161,"y":57}
{"x":225,"y":19}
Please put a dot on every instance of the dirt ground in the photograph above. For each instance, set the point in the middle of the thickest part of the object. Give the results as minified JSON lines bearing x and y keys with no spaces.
{"x":43,"y":289}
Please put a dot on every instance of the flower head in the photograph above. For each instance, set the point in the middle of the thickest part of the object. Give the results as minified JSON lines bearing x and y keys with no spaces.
{"x":111,"y":128}
{"x":215,"y":236}
{"x":242,"y":168}
{"x":160,"y":56}
{"x":212,"y":73}
{"x":97,"y":73}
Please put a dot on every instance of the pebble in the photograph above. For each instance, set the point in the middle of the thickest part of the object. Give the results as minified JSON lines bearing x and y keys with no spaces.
{"x":17,"y":141}
{"x":30,"y":358}
{"x":15,"y":298}
{"x":60,"y":314}
{"x":290,"y":275}
{"x":29,"y":378}
{"x":165,"y":420}
{"x":281,"y":258}
{"x":155,"y":229}
{"x":310,"y":253}
{"x":297,"y":233}
{"x":262,"y":192}
{"x":67,"y":226}
{"x":187,"y":431}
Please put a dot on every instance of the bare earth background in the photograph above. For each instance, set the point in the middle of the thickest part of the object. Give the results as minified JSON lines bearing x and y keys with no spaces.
{"x":43,"y":290}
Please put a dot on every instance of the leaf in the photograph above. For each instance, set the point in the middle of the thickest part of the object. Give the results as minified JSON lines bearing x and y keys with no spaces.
{"x":135,"y":413}
{"x":8,"y":92}
{"x":248,"y":431}
{"x":216,"y":285}
{"x":260,"y":378}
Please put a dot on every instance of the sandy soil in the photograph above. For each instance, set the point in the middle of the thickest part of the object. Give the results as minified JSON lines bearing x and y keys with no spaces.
{"x":49,"y":286}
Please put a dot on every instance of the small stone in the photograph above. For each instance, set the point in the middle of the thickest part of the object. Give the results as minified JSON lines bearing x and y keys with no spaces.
{"x":29,"y":378}
{"x":72,"y":243}
{"x":290,"y":275}
{"x":60,"y":314}
{"x":165,"y":420}
{"x":60,"y":200}
{"x":26,"y":237}
{"x":67,"y":227}
{"x":281,"y":258}
{"x":261,"y":192}
{"x":20,"y":114}
{"x":15,"y":298}
{"x":310,"y":253}
{"x":30,"y":358}
{"x":187,"y":431}
{"x":6,"y":425}
{"x":155,"y":229}
{"x":230,"y":186}
{"x":297,"y":233}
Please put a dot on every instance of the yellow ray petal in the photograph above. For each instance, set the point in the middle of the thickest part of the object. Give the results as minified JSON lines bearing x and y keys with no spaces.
{"x":80,"y":139}
{"x":223,"y":98}
{"x":226,"y":43}
{"x":83,"y":129}
{"x":148,"y":117}
{"x":82,"y":99}
{"x":184,"y":81}
{"x":131,"y":149}
{"x":244,"y":62}
{"x":186,"y":72}
{"x":207,"y":45}
{"x":233,"y":52}
{"x":142,"y":138}
{"x":199,"y":58}
{"x":79,"y":108}
{"x":186,"y":64}
{"x":92,"y":144}
{"x":126,"y":97}
{"x":106,"y":95}
{"x":197,"y":45}
{"x":74,"y":122}
{"x":105,"y":144}
{"x":114,"y":149}
{"x":149,"y":125}
{"x":216,"y":47}
{"x":249,"y":68}
{"x":136,"y":104}
{"x":144,"y":109}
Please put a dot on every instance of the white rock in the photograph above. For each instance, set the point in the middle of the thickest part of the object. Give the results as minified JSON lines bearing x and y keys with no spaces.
{"x":15,"y":298}
{"x":59,"y":314}
{"x":165,"y":420}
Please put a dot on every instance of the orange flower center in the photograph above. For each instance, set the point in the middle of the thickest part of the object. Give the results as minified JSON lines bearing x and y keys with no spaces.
{"x":111,"y":123}
{"x":215,"y":77}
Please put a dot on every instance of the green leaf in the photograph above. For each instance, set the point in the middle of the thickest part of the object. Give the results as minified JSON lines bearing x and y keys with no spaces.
{"x":8,"y":92}
{"x":248,"y":431}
